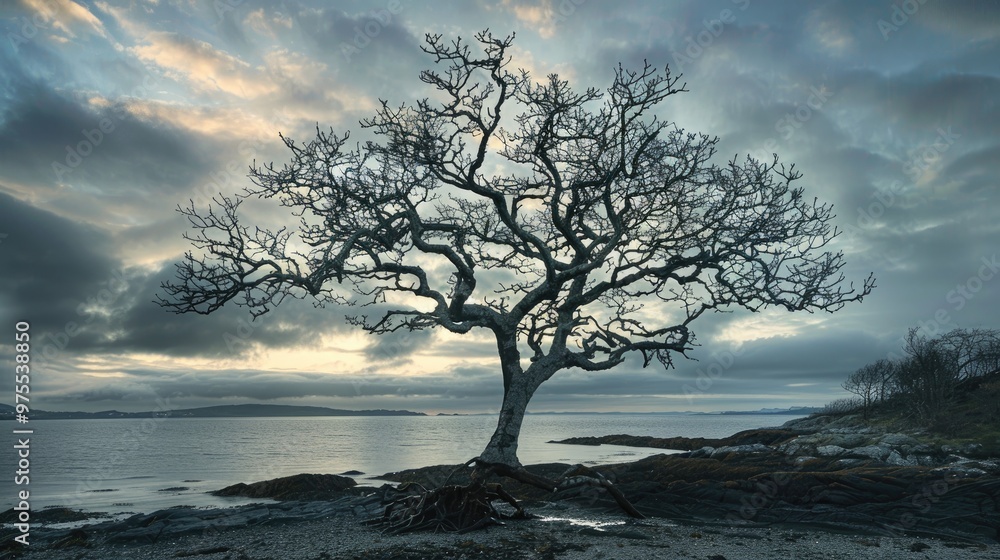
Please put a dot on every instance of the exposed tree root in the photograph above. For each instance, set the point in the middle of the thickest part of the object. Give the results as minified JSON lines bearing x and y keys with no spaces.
{"x":453,"y":508}
{"x":576,"y":476}
{"x":446,"y":509}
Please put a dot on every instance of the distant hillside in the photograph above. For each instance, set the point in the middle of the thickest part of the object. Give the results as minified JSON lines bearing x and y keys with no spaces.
{"x":223,"y":411}
{"x":792,"y":410}
{"x":970,"y":415}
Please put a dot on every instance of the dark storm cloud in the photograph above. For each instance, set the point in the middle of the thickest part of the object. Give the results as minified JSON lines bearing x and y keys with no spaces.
{"x":78,"y":298}
{"x":51,"y":266}
{"x":47,"y":138}
{"x":256,"y":385}
{"x":143,"y":326}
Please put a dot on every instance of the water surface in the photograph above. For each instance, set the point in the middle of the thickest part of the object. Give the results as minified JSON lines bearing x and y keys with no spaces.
{"x":141,"y":465}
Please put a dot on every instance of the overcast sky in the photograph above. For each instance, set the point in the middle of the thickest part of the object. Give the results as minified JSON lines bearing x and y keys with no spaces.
{"x":113,"y":113}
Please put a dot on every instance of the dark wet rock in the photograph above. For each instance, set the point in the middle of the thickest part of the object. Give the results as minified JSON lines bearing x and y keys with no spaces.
{"x":52,"y":515}
{"x":75,"y":538}
{"x":297,"y":487}
{"x":878,"y":499}
{"x":174,"y":489}
{"x":764,"y":436}
{"x":773,"y":488}
{"x":202,"y":551}
{"x":174,"y":522}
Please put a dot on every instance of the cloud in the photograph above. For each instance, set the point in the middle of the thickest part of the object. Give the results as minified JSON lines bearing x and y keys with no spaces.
{"x":99,"y":151}
{"x":65,"y":16}
{"x":204,"y":67}
{"x":52,"y":266}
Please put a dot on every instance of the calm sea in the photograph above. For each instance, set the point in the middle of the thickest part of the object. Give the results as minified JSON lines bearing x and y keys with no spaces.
{"x":133,"y":465}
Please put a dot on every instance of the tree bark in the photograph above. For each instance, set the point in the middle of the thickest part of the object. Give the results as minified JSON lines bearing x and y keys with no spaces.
{"x":519,"y":385}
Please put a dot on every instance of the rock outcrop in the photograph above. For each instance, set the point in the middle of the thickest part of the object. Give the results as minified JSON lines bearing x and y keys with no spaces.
{"x":297,"y":487}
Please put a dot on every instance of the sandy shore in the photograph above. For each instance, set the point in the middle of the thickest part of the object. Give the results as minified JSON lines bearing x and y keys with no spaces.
{"x":560,"y":530}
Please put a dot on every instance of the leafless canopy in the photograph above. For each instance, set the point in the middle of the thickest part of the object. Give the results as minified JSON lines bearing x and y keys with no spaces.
{"x":576,"y":223}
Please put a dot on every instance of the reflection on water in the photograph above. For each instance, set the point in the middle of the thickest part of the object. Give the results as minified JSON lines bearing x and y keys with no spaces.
{"x":592,"y":523}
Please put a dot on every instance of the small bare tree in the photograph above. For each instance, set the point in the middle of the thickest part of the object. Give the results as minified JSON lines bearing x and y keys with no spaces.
{"x":928,"y":374}
{"x":587,"y":232}
{"x":866,"y":383}
{"x":976,"y":351}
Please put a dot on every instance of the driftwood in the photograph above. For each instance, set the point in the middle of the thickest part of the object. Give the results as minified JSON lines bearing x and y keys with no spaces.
{"x":455,"y":508}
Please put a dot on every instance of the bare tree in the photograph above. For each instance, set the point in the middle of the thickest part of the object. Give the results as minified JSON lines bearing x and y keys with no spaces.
{"x":976,"y":351}
{"x":575,"y":226}
{"x":866,"y":384}
{"x":884,"y":370}
{"x":842,"y":406}
{"x":927,"y":376}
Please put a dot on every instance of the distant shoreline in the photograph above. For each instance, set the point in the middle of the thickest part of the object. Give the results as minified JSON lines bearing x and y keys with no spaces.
{"x":221,"y":411}
{"x":291,"y":411}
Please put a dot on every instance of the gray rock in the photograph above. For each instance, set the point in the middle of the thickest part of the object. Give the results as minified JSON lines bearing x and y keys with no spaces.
{"x":896,"y":440}
{"x":751,"y":448}
{"x":925,"y":460}
{"x":792,"y":447}
{"x":875,"y":452}
{"x":972,"y":448}
{"x":830,"y":450}
{"x":847,"y":440}
{"x":959,"y":471}
{"x":898,"y":460}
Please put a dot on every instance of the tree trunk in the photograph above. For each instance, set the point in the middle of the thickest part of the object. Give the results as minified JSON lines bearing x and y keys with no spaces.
{"x":519,"y":386}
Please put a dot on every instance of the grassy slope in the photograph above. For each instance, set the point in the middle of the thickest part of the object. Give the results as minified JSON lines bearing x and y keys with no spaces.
{"x":972,"y":416}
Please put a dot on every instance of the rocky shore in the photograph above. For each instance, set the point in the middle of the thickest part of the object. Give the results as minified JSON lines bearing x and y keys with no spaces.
{"x":829,"y":472}
{"x":815,"y":488}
